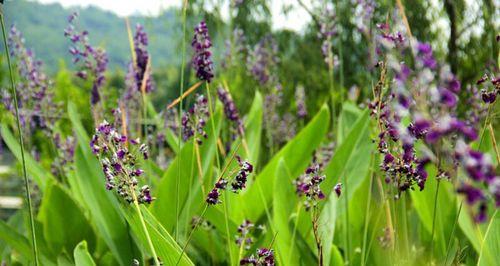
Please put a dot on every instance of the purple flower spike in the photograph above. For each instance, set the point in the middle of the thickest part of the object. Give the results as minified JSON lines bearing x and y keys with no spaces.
{"x":120,"y":168}
{"x":202,"y":59}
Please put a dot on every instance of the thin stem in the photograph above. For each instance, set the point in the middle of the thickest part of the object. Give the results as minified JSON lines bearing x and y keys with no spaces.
{"x":347,"y":236}
{"x":299,"y":208}
{"x":21,"y":141}
{"x":191,"y":233}
{"x":434,"y":218}
{"x":228,"y":235}
{"x":146,"y":232}
{"x":494,"y":141}
{"x":198,"y":162}
{"x":179,"y":138}
{"x":367,"y":212}
{"x":452,"y":233}
{"x":212,"y":121}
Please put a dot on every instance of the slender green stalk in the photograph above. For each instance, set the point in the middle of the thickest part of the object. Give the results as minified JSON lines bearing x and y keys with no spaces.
{"x":212,"y":121}
{"x":21,"y":141}
{"x":347,"y":236}
{"x":228,"y":234}
{"x":453,"y":233}
{"x":367,"y":212}
{"x":179,"y":137}
{"x":434,"y":218}
{"x":146,"y":232}
{"x":299,"y":208}
{"x":191,"y":233}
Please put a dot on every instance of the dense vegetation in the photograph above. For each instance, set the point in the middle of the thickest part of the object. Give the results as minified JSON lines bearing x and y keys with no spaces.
{"x":368,"y":138}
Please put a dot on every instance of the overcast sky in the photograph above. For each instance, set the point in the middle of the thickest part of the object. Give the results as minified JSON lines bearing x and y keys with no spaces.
{"x":296,"y":18}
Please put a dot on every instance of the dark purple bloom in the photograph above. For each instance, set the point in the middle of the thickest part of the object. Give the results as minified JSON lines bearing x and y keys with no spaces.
{"x":213,"y":197}
{"x":308,"y":185}
{"x":202,"y":58}
{"x":471,"y":193}
{"x":338,"y":189}
{"x":240,"y":179}
{"x":120,"y":163}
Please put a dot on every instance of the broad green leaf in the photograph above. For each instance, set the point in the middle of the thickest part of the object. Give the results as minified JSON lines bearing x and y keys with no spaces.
{"x":253,"y":129}
{"x":82,"y":255}
{"x":64,"y":224}
{"x":167,"y":195}
{"x":15,"y":240}
{"x":101,"y":205}
{"x":165,"y":246}
{"x":347,"y":118}
{"x":490,"y":248}
{"x":344,"y":153}
{"x":348,"y":155}
{"x":469,"y":228}
{"x":423,"y":202}
{"x":296,"y":153}
{"x":34,"y":169}
{"x":283,"y":207}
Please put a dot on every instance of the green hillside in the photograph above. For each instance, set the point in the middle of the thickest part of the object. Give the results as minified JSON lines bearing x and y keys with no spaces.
{"x":43,"y":26}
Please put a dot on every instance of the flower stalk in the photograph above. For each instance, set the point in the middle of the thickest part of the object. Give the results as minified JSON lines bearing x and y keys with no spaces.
{"x":21,"y":142}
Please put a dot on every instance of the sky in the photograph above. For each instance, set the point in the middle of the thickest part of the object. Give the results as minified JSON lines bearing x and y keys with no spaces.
{"x":296,"y":19}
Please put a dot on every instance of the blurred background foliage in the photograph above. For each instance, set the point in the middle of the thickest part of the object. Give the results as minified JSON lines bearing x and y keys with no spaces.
{"x":461,"y":32}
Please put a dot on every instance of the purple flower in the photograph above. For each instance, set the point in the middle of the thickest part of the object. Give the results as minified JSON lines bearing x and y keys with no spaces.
{"x":262,"y":61}
{"x":193,"y":122}
{"x":202,"y":61}
{"x":240,"y":180}
{"x":120,"y":163}
{"x":230,"y":109}
{"x":142,"y":59}
{"x":338,"y":189}
{"x":308,"y":185}
{"x":300,"y":102}
{"x":35,"y":92}
{"x":263,"y":257}
{"x":213,"y":197}
{"x":243,"y":237}
{"x":93,"y":61}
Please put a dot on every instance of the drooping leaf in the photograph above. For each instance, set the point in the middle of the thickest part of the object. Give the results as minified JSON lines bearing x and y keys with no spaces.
{"x":34,"y":169}
{"x":165,"y":246}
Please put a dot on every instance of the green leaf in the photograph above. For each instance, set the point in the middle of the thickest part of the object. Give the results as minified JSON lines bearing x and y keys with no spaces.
{"x":40,"y":175}
{"x":296,"y":154}
{"x":470,"y":229}
{"x":15,"y":240}
{"x":423,"y":202}
{"x":165,"y":206}
{"x":102,"y":204}
{"x":82,"y":255}
{"x":165,"y":246}
{"x":253,"y":129}
{"x":63,"y":232}
{"x":283,"y":207}
{"x":490,"y":248}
